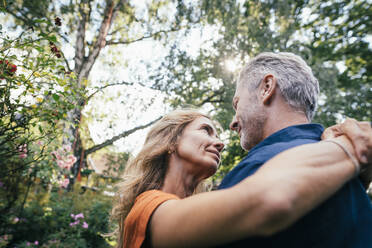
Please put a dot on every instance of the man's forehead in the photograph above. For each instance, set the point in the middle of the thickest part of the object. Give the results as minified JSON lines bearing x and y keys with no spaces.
{"x":238,"y":89}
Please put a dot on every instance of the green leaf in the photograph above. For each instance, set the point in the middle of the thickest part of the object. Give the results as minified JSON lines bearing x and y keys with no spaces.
{"x":55,"y":97}
{"x":39,"y":20}
{"x":40,"y":49}
{"x":52,"y":38}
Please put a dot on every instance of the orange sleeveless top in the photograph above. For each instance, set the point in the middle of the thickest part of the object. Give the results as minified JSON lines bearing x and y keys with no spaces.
{"x":135,"y":224}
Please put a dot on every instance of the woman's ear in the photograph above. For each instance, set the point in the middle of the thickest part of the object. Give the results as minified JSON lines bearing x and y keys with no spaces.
{"x":267,"y":88}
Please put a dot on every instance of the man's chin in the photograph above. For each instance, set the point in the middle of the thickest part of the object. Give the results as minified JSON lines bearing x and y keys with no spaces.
{"x":246,"y":145}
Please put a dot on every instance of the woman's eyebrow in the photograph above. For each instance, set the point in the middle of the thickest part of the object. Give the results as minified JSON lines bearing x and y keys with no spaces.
{"x":211,"y":128}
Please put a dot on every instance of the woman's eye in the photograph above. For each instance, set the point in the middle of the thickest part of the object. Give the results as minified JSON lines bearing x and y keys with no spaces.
{"x":208,"y":129}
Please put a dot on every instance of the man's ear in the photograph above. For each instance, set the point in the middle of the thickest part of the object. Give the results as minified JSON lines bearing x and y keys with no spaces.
{"x":267,"y":88}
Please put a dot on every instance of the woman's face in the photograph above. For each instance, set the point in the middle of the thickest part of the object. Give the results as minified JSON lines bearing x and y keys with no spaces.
{"x":199,"y":148}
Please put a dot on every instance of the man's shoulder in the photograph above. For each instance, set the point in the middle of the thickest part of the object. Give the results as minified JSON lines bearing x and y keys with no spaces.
{"x":264,"y":153}
{"x":274,"y":144}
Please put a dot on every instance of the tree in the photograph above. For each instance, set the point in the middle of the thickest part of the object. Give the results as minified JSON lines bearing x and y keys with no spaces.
{"x":111,"y":23}
{"x":324,"y":34}
{"x":339,"y":32}
{"x":240,"y":31}
{"x":237,"y":31}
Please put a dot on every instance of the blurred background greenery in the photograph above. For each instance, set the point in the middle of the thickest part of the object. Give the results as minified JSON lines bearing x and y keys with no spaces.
{"x":79,"y":79}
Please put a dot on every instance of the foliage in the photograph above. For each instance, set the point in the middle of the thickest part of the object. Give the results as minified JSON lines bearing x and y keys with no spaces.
{"x":43,"y":90}
{"x":240,"y":31}
{"x":35,"y":95}
{"x":339,"y":37}
{"x":86,"y":28}
{"x":331,"y":33}
{"x":65,"y":220}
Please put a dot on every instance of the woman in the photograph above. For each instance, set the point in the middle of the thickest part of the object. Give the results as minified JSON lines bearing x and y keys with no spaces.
{"x":156,"y":207}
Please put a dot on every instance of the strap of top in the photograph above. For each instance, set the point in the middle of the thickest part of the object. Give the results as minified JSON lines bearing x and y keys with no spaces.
{"x":135,"y":224}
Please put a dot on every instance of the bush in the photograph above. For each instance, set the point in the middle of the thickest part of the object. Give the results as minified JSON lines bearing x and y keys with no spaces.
{"x":67,"y":219}
{"x":36,"y":92}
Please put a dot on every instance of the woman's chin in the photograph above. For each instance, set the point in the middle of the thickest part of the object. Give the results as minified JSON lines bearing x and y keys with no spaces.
{"x":211,"y":170}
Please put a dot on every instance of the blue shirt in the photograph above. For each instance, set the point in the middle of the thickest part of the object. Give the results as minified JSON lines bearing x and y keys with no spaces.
{"x":343,"y":221}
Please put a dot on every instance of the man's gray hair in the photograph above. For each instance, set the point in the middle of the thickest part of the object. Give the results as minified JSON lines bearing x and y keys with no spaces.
{"x":295,"y":79}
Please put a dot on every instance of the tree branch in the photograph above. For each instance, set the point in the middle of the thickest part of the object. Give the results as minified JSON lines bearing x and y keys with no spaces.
{"x":109,"y":15}
{"x":66,"y":61}
{"x":117,"y":137}
{"x":105,"y":86}
{"x":109,"y":43}
{"x":27,"y":21}
{"x":210,"y":98}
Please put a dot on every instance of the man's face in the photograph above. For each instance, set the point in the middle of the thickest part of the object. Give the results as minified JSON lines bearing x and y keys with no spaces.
{"x":249,"y":117}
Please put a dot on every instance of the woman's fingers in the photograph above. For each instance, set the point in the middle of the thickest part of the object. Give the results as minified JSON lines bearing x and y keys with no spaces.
{"x":332,"y":132}
{"x":360,"y":134}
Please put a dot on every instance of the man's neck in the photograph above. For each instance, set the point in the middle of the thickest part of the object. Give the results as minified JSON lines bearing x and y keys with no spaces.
{"x":283,"y":119}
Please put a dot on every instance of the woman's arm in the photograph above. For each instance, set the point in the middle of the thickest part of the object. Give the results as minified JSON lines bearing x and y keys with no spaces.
{"x":358,"y":140}
{"x":284,"y":189}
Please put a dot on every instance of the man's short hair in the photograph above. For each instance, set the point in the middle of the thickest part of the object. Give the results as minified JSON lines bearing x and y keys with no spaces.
{"x":295,"y":79}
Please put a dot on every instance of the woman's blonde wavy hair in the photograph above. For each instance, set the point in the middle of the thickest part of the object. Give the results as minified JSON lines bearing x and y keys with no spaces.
{"x":147,"y":170}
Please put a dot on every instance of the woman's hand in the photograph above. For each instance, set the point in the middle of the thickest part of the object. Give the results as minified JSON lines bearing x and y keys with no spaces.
{"x":360,"y":135}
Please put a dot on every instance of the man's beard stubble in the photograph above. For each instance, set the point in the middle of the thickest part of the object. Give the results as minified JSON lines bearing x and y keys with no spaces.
{"x":253,"y":133}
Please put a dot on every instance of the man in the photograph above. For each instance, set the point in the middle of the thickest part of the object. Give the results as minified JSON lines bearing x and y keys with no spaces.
{"x":275,"y":100}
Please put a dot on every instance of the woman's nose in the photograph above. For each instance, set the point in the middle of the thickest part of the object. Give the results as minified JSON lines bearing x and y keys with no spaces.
{"x":219,"y":145}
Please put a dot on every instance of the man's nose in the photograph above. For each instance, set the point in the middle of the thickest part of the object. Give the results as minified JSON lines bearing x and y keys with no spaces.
{"x":234,"y":124}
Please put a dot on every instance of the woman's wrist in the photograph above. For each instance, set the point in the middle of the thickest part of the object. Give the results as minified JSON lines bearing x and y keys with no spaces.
{"x":345,"y":145}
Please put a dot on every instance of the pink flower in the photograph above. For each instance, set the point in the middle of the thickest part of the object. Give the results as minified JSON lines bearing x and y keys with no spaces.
{"x":68,"y":165}
{"x":67,"y":148}
{"x":71,"y":159}
{"x":56,"y":155}
{"x":22,"y":155}
{"x":16,"y":219}
{"x":64,"y":183}
{"x":81,"y":215}
{"x":36,"y":242}
{"x":23,"y":150}
{"x":74,"y":223}
{"x":61,"y":164}
{"x":85,"y":225}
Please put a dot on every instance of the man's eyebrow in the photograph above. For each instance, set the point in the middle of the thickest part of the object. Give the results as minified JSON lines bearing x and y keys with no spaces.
{"x":235,"y":98}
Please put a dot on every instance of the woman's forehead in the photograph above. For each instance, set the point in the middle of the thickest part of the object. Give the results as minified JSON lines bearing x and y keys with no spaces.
{"x":202,"y":120}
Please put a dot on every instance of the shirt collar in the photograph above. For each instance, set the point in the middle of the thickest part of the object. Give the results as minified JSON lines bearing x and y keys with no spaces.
{"x":304,"y":131}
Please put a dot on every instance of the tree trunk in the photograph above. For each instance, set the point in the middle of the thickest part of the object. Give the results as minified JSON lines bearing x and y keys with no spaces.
{"x":83,"y":67}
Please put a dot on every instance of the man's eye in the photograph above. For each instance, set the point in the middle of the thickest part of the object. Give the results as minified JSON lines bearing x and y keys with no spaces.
{"x":234,"y":105}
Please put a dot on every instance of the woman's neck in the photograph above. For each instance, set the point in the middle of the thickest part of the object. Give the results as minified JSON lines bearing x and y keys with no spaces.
{"x":178,"y":181}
